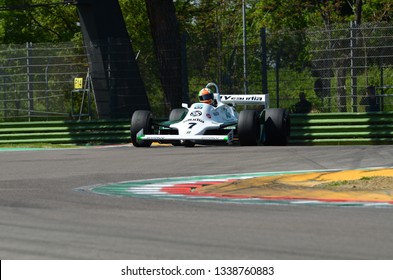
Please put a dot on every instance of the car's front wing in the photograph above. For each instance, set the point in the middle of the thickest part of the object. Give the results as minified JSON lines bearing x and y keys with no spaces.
{"x":168,"y":137}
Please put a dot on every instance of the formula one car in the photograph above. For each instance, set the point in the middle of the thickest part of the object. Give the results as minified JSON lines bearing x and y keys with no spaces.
{"x":208,"y":124}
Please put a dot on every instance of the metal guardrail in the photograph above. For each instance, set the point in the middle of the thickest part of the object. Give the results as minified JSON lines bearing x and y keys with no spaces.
{"x":306,"y":129}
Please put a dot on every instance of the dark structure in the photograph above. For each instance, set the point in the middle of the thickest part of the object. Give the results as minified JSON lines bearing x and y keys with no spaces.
{"x":118,"y":86}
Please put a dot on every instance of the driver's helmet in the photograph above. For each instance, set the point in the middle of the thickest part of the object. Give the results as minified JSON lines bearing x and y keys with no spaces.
{"x":206,"y":96}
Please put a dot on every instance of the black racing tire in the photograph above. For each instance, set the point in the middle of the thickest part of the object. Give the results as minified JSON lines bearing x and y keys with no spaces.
{"x":141,"y":119}
{"x":188,"y":144}
{"x":177,"y":114}
{"x":249,"y":128}
{"x":277,"y":127}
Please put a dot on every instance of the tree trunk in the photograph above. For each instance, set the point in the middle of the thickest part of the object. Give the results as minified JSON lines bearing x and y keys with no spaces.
{"x":165,"y":32}
{"x":358,"y":11}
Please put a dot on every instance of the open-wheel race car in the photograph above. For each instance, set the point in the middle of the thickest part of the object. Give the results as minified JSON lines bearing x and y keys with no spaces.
{"x":215,"y":123}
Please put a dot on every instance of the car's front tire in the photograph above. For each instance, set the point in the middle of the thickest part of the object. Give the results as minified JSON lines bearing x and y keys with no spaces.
{"x":177,"y":115}
{"x":188,"y":143}
{"x":141,"y":119}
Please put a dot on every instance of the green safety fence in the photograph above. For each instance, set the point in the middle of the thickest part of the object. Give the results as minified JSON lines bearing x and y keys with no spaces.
{"x":65,"y":132}
{"x":306,"y":129}
{"x":342,"y":128}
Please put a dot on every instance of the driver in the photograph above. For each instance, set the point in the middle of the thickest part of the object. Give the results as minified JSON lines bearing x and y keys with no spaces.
{"x":206,"y":96}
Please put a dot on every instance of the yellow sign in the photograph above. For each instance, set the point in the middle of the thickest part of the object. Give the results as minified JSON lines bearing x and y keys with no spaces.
{"x":78,"y":83}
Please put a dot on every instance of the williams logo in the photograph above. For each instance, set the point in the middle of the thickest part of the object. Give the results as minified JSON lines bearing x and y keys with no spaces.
{"x":196,"y":114}
{"x":243,"y":98}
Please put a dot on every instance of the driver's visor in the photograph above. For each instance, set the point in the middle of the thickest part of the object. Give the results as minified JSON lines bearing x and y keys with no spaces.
{"x":206,"y":96}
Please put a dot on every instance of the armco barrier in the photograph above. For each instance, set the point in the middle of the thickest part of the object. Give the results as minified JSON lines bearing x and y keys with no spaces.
{"x":342,"y":128}
{"x":65,"y":132}
{"x":306,"y":129}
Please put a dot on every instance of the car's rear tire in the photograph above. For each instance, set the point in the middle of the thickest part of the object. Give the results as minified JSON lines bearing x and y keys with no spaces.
{"x":277,"y":127}
{"x":141,"y":119}
{"x":249,"y":128}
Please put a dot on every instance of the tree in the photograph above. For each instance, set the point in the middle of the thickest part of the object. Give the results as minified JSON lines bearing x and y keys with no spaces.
{"x":377,"y":11}
{"x":165,"y":32}
{"x":37,"y":21}
{"x":215,"y":31}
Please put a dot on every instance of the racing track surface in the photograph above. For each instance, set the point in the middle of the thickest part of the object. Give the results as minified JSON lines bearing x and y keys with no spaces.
{"x":43,"y":216}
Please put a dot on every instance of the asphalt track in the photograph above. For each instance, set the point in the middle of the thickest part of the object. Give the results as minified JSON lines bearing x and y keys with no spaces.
{"x":44,"y":215}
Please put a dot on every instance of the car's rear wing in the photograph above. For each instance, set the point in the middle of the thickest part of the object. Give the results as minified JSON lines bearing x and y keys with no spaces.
{"x":240,"y":99}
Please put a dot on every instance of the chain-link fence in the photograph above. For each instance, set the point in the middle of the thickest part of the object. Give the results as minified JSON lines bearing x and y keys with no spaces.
{"x":351,"y":68}
{"x":36,"y":80}
{"x":337,"y":68}
{"x":334,"y":67}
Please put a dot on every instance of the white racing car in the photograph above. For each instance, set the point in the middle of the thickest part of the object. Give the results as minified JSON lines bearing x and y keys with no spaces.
{"x":207,"y":124}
